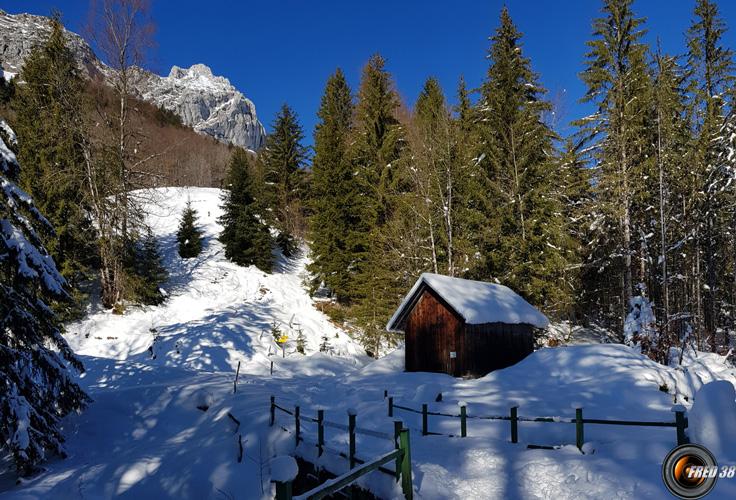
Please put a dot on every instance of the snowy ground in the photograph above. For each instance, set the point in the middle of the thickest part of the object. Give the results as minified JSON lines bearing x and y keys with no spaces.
{"x":144,"y":437}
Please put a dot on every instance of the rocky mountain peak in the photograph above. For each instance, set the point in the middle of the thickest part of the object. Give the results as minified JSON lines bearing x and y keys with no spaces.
{"x":209,"y":104}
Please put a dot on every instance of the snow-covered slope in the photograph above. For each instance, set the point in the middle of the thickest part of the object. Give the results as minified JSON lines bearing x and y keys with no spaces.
{"x":218,"y":313}
{"x":209,"y":104}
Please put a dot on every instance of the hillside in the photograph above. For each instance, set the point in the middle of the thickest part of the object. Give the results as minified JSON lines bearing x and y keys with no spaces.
{"x":181,"y":156}
{"x":217,"y":313}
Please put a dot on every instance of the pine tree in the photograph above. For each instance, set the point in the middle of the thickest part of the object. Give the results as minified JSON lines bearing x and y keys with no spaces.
{"x":376,"y":145}
{"x":283,"y":159}
{"x":334,"y":192}
{"x":710,"y":70}
{"x":301,"y":342}
{"x":37,"y":390}
{"x":723,"y":187}
{"x":189,"y":236}
{"x":146,"y":271}
{"x":429,"y":227}
{"x":670,"y":184}
{"x":526,"y":243}
{"x":48,"y":109}
{"x":246,"y":238}
{"x":617,"y":80}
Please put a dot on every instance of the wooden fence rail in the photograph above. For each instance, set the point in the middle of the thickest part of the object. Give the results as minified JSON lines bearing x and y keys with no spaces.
{"x":680,"y":423}
{"x":358,"y":467}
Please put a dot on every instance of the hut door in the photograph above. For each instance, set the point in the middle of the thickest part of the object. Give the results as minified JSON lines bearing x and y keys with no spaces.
{"x":434,"y":329}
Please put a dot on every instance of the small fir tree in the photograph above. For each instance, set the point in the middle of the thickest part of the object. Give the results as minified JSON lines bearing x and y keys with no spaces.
{"x":146,"y":271}
{"x":325,"y":345}
{"x":246,"y":238}
{"x":301,"y":342}
{"x":189,"y":236}
{"x":282,"y":161}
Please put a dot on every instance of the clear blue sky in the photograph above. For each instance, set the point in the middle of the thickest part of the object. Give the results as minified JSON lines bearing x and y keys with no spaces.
{"x":278,"y":51}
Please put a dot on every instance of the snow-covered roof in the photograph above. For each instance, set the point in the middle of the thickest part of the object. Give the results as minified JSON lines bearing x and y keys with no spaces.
{"x":477,"y":302}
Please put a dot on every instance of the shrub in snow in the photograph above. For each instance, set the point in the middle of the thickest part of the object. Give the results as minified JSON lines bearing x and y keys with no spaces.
{"x":325,"y":345}
{"x":712,"y":419}
{"x":640,"y":326}
{"x":35,"y":388}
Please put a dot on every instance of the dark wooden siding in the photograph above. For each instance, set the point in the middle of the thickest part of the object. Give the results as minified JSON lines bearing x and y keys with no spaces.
{"x":432,"y":331}
{"x":492,"y":346}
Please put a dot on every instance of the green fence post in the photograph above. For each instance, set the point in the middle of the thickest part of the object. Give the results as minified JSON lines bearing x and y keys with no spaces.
{"x":406,"y":485}
{"x":514,"y":424}
{"x":273,"y":410}
{"x":579,"y":433}
{"x":425,"y":418}
{"x":680,"y":420}
{"x":283,"y":490}
{"x":351,"y":432}
{"x":297,"y":424}
{"x":391,"y":406}
{"x":397,"y":435}
{"x":463,"y":421}
{"x":320,"y":431}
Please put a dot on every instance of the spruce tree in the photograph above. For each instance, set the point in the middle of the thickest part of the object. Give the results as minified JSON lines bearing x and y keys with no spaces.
{"x":145,"y":271}
{"x":710,"y":70}
{"x":526,"y":242}
{"x":49,"y":107}
{"x":189,"y":236}
{"x":617,"y":80}
{"x":376,"y":144}
{"x":246,"y":237}
{"x":283,"y":159}
{"x":301,"y":342}
{"x":334,"y":192}
{"x":669,"y":183}
{"x":36,"y":389}
{"x":431,"y":224}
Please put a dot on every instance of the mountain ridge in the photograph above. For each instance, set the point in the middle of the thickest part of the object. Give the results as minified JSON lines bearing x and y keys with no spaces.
{"x":209,"y":104}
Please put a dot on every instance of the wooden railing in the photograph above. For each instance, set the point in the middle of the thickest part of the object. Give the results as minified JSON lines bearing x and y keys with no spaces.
{"x":680,"y":423}
{"x":401,"y":454}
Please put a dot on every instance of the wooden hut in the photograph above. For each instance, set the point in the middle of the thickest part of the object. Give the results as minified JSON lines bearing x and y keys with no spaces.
{"x":463,"y":327}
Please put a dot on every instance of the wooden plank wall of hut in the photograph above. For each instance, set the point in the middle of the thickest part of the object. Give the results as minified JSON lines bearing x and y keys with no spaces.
{"x":492,"y":346}
{"x":431,"y":333}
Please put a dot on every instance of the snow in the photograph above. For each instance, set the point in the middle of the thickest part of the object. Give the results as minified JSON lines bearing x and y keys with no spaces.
{"x":640,"y":323}
{"x":427,"y":393}
{"x":284,"y":469}
{"x":148,"y":435}
{"x":712,"y":419}
{"x":476,"y":301}
{"x":217,"y":312}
